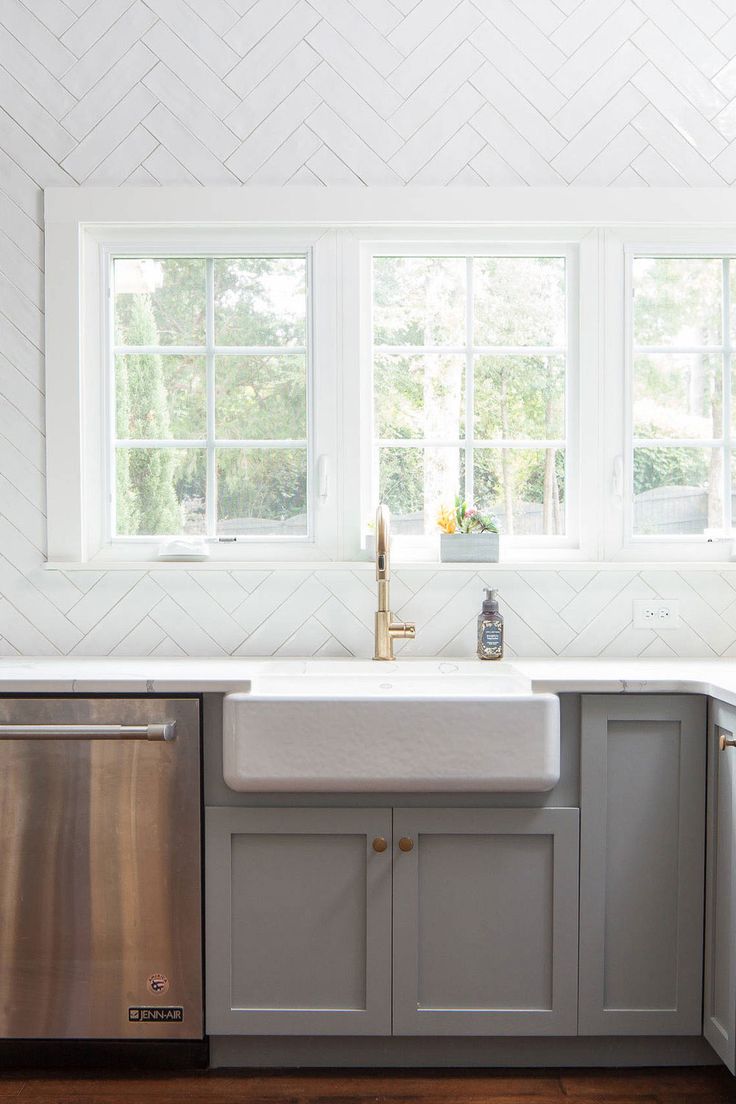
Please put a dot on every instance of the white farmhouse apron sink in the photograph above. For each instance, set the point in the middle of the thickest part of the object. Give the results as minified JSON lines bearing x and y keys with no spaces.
{"x":397,"y":727}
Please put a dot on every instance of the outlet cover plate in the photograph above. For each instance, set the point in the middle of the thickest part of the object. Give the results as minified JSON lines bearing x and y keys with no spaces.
{"x":656,"y":613}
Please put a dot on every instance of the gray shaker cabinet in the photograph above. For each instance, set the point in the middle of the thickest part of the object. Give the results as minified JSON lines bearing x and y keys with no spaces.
{"x":299,"y":913}
{"x":719,"y":1024}
{"x":642,"y":805}
{"x":485,"y":921}
{"x":298,"y":923}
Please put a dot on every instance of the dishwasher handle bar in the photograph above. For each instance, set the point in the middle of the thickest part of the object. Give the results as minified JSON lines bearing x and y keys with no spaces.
{"x":164,"y":730}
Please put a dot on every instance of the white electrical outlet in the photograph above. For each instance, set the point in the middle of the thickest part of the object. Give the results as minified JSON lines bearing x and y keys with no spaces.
{"x":656,"y":613}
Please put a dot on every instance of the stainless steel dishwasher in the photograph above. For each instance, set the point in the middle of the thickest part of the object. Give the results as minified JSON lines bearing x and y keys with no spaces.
{"x":100,"y":876}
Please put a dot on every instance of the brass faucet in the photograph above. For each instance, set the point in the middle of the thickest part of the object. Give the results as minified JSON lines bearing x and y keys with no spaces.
{"x":387,"y":630}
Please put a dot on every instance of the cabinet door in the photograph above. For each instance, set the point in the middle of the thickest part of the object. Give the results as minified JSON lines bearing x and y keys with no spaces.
{"x":298,"y":921}
{"x":642,"y":825}
{"x":719,"y":1025}
{"x":485,"y":921}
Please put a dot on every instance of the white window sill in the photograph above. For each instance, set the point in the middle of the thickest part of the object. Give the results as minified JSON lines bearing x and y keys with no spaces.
{"x":397,"y":565}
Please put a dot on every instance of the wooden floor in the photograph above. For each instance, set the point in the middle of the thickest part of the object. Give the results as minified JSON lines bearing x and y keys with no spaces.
{"x":651,"y":1086}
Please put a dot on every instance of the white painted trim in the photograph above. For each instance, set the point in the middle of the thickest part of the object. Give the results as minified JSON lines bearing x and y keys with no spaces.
{"x":324,"y":398}
{"x":64,"y":411}
{"x":367,"y":565}
{"x":590,"y":207}
{"x":588,"y":414}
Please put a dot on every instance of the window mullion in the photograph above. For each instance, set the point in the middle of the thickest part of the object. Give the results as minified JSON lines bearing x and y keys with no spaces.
{"x":726,"y":384}
{"x":211,"y":494}
{"x":111,"y":406}
{"x":469,"y":383}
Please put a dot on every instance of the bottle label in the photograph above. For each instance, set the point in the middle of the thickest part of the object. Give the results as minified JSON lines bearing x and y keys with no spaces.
{"x":491,"y":639}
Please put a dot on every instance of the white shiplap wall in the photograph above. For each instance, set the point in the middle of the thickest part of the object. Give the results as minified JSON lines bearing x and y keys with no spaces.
{"x":335,"y":92}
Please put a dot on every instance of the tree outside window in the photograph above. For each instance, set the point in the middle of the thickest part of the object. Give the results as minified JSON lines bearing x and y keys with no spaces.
{"x":469,"y":369}
{"x":681,"y":392}
{"x":211,"y":360}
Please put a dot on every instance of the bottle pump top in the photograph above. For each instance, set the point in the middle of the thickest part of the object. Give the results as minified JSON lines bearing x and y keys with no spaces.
{"x":490,"y":603}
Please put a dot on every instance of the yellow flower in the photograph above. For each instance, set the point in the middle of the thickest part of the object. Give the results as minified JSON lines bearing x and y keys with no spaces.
{"x":446,"y":520}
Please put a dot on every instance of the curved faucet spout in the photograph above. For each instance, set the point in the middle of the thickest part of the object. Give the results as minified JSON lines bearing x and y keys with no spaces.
{"x":383,"y":543}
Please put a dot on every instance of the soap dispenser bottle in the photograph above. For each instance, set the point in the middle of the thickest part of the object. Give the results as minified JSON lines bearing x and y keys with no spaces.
{"x":490,"y":628}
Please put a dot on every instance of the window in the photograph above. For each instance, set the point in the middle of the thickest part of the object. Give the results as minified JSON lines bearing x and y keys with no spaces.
{"x":210,"y":359}
{"x":256,"y":368}
{"x":470,"y":378}
{"x":682,"y":427}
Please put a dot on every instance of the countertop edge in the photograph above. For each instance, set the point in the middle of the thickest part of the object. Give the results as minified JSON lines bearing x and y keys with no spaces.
{"x":40,"y":685}
{"x":634,"y":686}
{"x":715,"y":678}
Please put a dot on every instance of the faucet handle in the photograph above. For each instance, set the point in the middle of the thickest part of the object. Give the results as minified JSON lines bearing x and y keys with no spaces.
{"x":403,"y":630}
{"x":383,"y":543}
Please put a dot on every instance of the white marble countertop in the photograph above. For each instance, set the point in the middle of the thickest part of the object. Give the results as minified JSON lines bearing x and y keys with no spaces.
{"x":68,"y":674}
{"x":714,"y":677}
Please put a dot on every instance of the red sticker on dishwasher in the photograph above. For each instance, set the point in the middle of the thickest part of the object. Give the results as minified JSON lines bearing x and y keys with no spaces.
{"x":158,"y":984}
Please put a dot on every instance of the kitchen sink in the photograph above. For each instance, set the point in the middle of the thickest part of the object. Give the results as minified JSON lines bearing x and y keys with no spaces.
{"x":404,"y":726}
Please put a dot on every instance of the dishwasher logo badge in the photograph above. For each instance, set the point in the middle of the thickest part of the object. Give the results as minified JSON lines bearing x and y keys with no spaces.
{"x":151,"y":1014}
{"x":158,"y":984}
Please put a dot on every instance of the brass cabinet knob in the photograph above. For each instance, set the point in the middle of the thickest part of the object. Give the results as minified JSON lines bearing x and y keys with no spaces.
{"x":406,"y":844}
{"x":379,"y":844}
{"x":724,"y":742}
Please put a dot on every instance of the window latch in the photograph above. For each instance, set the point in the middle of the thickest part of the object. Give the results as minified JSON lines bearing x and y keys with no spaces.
{"x":323,"y":478}
{"x":617,"y":478}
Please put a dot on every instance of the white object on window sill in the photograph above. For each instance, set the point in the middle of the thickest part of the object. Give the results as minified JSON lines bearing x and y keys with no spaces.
{"x":183,"y":550}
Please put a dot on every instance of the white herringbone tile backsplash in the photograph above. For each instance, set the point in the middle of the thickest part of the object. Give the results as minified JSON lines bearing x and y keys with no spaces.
{"x":335,"y":92}
{"x":329,"y":612}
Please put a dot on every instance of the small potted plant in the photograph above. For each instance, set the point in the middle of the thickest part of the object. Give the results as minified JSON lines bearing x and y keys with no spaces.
{"x":467,"y":535}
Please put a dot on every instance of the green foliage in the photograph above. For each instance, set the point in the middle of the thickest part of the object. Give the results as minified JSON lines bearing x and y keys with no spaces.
{"x":517,"y":300}
{"x":126,"y":508}
{"x":177,"y":306}
{"x":261,"y":398}
{"x":258,"y":301}
{"x":147,"y":501}
{"x":470,"y":520}
{"x":659,"y":466}
{"x":677,"y":301}
{"x":260,"y":483}
{"x":532,"y":473}
{"x":402,"y":480}
{"x":418,"y":301}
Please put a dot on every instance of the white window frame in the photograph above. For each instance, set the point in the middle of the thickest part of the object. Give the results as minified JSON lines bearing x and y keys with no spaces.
{"x":623,"y":544}
{"x":520,"y":243}
{"x":208,"y":351}
{"x":342,"y":225}
{"x":81,"y":483}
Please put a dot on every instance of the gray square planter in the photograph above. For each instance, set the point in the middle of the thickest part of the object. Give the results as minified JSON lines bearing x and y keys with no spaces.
{"x":469,"y":547}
